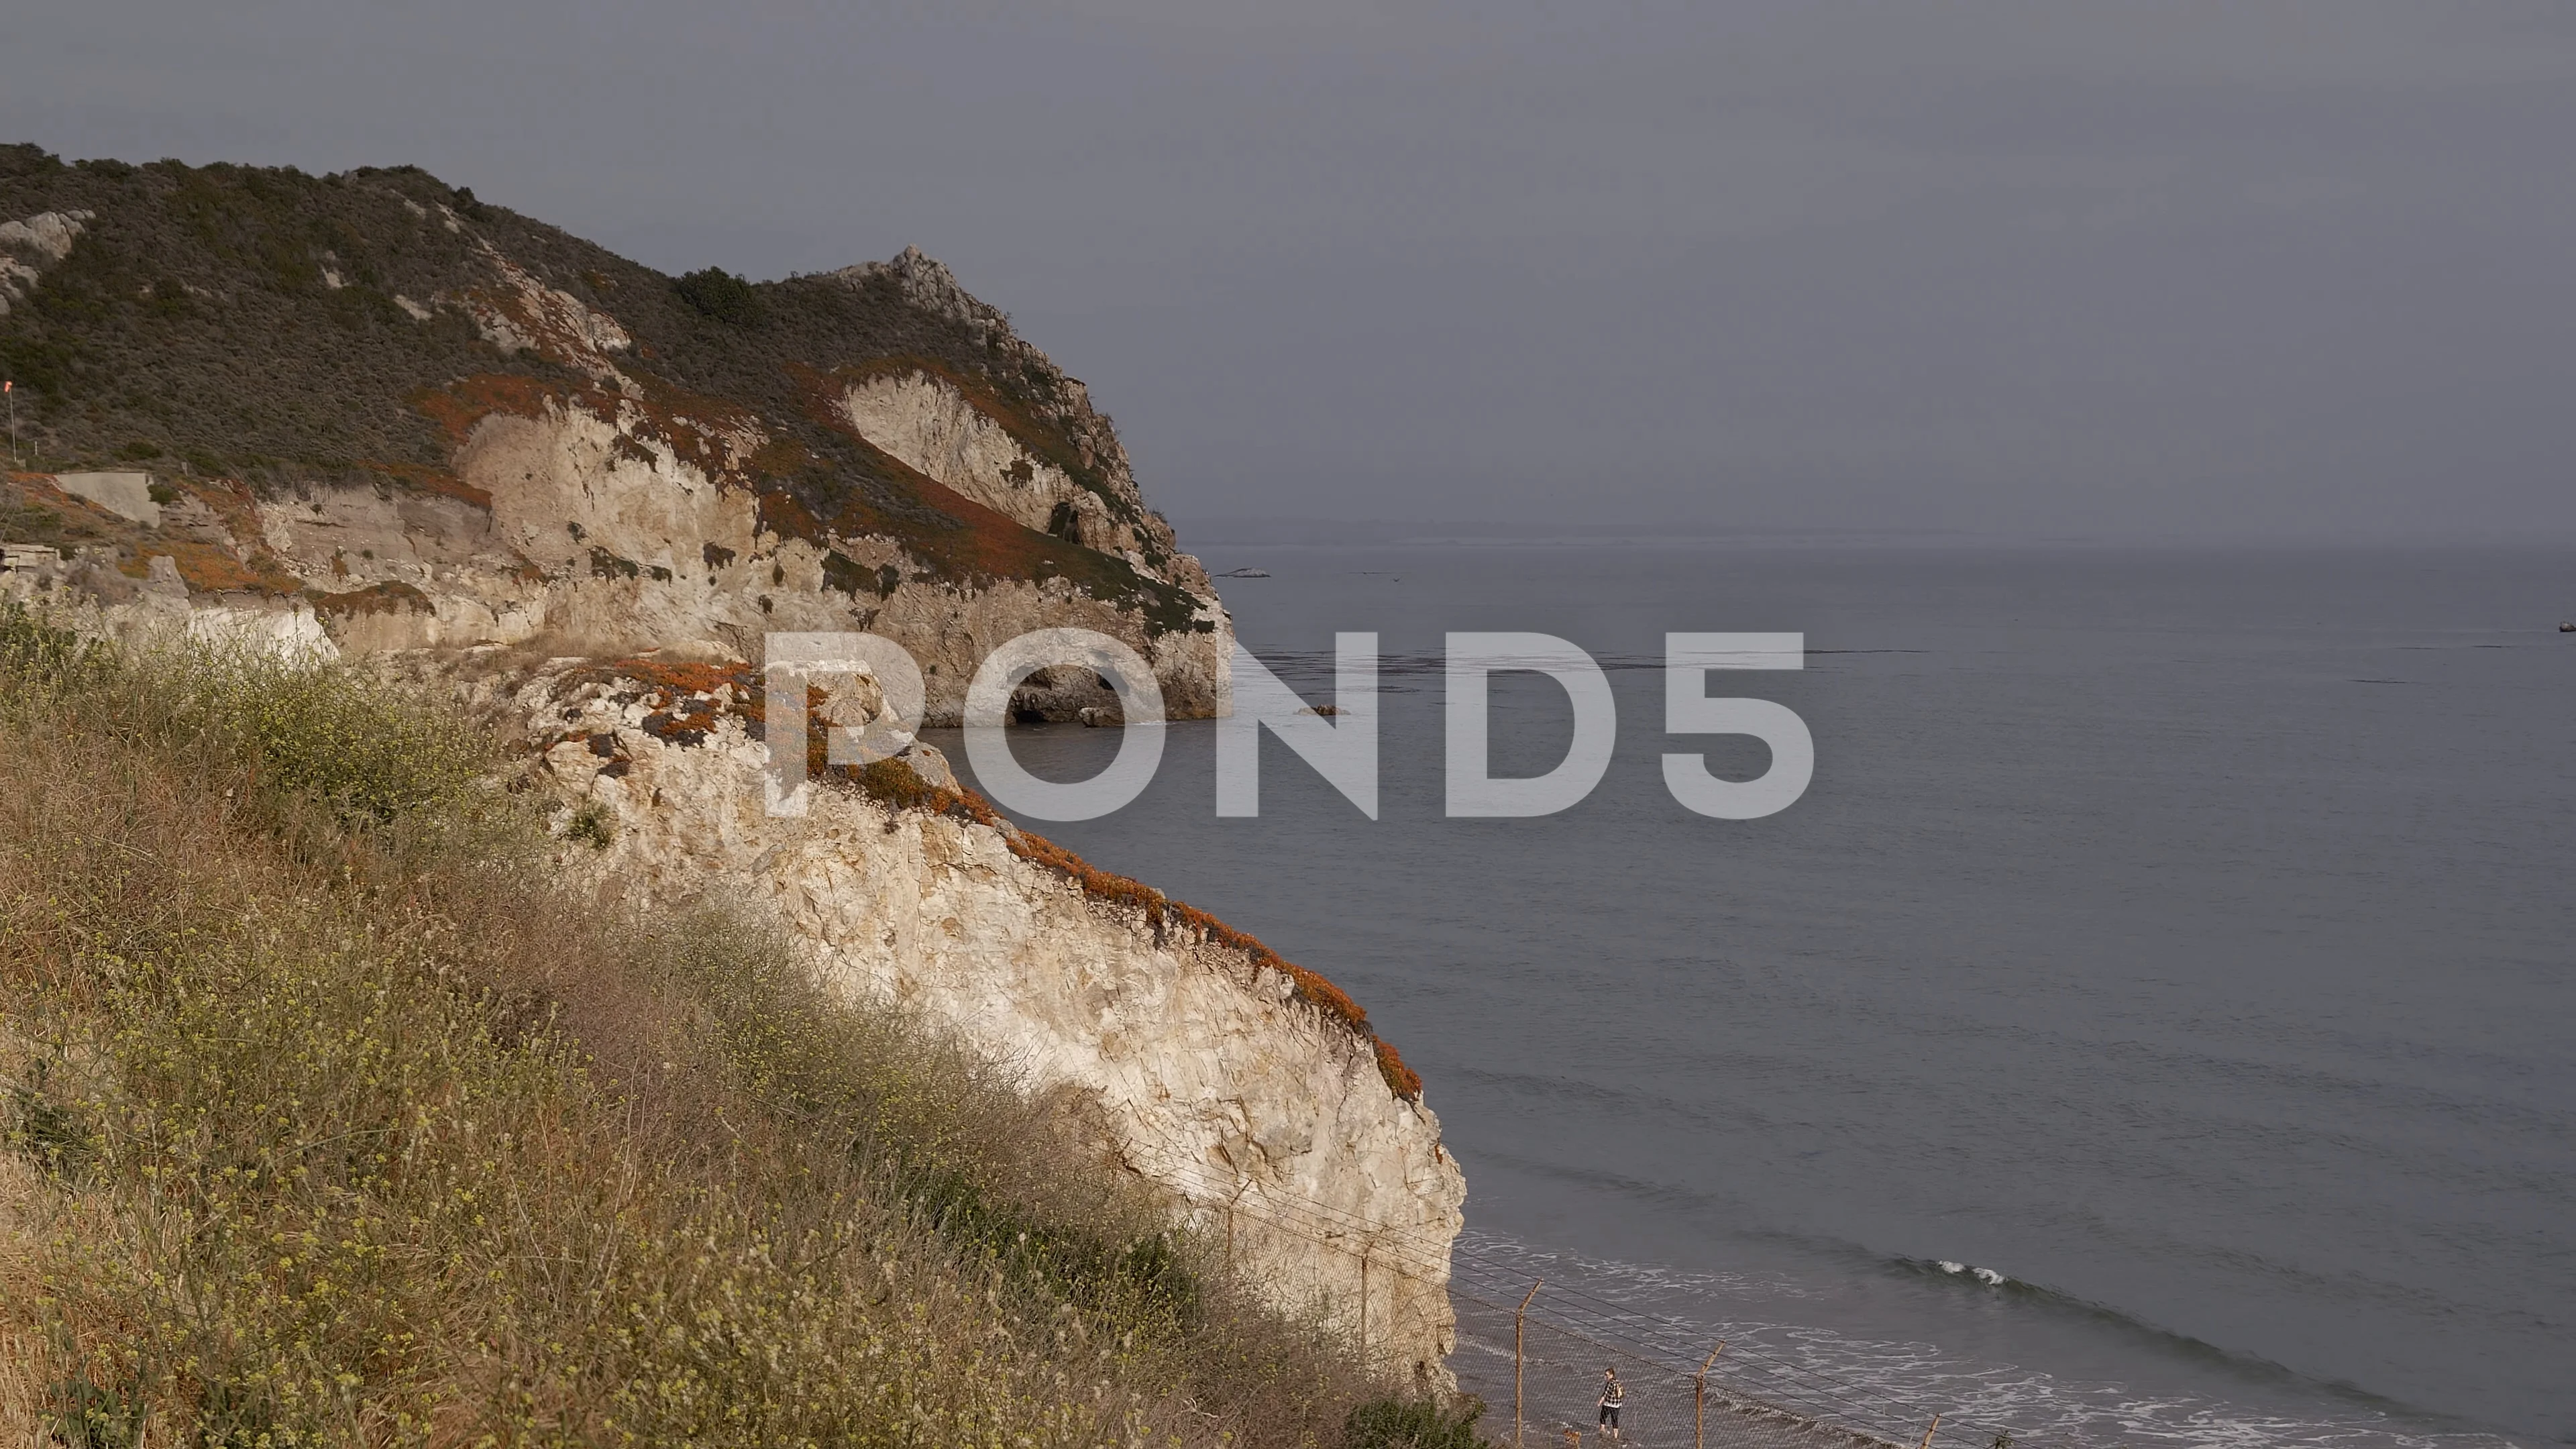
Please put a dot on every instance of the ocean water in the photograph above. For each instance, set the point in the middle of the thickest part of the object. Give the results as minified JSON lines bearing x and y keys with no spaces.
{"x":2186,"y":938}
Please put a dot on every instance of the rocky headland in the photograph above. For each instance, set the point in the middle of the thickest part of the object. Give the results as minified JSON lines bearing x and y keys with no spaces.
{"x":366,"y":416}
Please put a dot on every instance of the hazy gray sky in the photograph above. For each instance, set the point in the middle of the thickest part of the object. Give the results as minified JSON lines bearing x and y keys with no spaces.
{"x":2013,"y":268}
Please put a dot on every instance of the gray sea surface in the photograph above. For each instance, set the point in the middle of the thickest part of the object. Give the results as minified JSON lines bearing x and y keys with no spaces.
{"x":2186,"y":937}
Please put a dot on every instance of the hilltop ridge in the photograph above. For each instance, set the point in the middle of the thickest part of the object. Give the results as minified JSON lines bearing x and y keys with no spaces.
{"x":431,"y":421}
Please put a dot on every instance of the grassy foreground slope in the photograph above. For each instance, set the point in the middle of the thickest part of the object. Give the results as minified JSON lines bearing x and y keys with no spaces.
{"x":329,"y":1119}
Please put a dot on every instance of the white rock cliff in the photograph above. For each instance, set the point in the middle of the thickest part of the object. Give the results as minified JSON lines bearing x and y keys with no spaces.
{"x":1270,"y":1119}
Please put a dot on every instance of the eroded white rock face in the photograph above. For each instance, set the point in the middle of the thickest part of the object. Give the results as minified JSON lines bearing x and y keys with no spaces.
{"x":1109,"y":515}
{"x":28,"y":245}
{"x":601,"y":538}
{"x":1271,"y":1122}
{"x":571,"y":486}
{"x":526,"y":315}
{"x":930,"y":426}
{"x":49,"y":234}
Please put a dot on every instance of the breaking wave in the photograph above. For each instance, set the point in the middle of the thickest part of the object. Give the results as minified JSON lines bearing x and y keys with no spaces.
{"x":1674,"y":1316}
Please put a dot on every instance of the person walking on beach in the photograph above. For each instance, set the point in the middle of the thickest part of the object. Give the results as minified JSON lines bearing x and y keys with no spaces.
{"x":1613,"y":1394}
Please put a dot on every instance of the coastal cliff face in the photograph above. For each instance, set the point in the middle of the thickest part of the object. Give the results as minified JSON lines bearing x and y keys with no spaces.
{"x":366,"y":415}
{"x":1239,"y":1084}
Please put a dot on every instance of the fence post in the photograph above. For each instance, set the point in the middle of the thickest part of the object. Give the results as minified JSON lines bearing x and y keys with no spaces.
{"x":1517,"y":1315}
{"x":1699,"y":1398}
{"x":1927,"y":1434}
{"x":1365,"y":1254}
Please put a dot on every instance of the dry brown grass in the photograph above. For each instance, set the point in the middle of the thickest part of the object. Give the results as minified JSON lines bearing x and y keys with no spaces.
{"x":23,"y":1200}
{"x":332,"y":1121}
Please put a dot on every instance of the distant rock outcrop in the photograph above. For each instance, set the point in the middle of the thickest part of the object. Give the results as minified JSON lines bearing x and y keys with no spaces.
{"x":27,"y":245}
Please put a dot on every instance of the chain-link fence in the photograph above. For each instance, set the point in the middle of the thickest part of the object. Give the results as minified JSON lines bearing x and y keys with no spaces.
{"x":1552,"y":1375}
{"x":1677,"y":1392}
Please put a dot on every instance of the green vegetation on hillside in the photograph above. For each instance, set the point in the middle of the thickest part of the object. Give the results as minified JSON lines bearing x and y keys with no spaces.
{"x":327,"y":1118}
{"x":722,"y":295}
